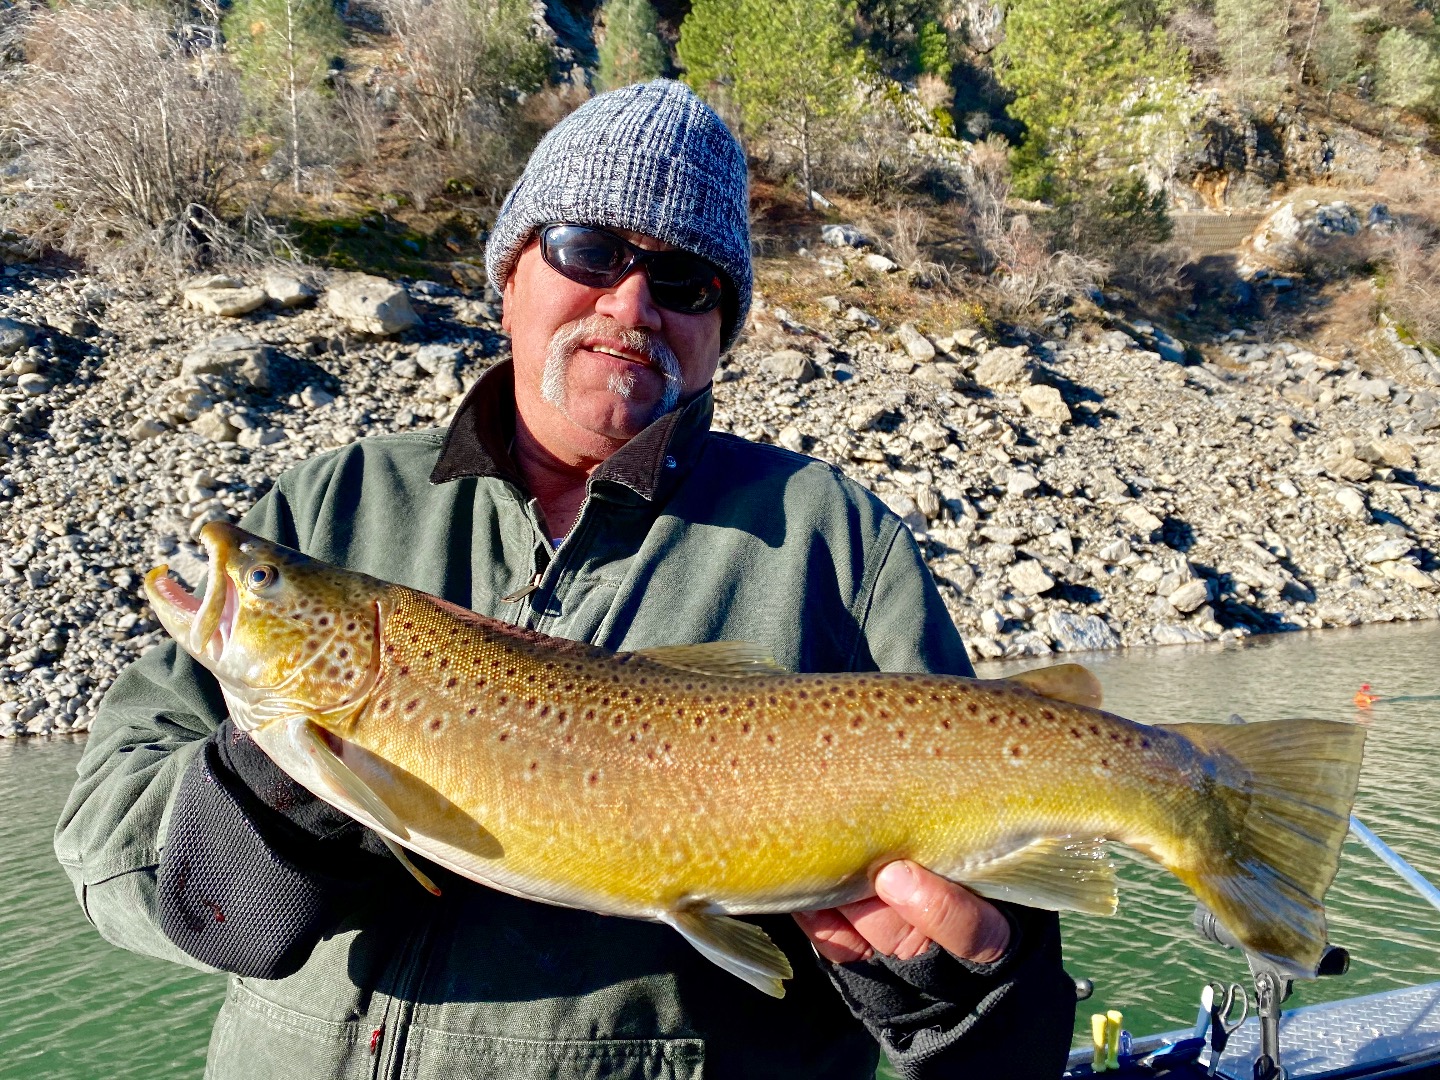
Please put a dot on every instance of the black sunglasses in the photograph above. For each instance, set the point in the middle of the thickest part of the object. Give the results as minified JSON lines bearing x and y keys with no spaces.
{"x":599,"y":259}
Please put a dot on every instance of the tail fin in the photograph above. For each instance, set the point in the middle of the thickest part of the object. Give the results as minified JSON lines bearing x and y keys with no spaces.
{"x":1280,"y":812}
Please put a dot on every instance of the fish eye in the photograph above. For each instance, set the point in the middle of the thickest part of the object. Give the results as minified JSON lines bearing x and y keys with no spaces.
{"x":260,"y":576}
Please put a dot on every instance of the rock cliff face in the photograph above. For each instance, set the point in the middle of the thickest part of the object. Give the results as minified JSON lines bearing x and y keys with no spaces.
{"x":1088,"y":490}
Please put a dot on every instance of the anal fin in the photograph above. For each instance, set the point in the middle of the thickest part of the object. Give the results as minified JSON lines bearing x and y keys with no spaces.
{"x":741,"y":948}
{"x":354,"y":790}
{"x":1067,"y":873}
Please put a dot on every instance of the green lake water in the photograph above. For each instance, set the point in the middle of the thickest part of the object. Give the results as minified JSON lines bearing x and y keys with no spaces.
{"x":81,"y":1010}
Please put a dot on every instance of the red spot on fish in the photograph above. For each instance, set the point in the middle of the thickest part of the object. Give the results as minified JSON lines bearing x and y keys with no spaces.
{"x":1017,"y":751}
{"x":900,"y":734}
{"x":410,"y":706}
{"x":770,"y":739}
{"x":945,"y":724}
{"x":384,"y":704}
{"x":504,"y":736}
{"x":594,"y":778}
{"x":436,"y":724}
{"x":450,"y":683}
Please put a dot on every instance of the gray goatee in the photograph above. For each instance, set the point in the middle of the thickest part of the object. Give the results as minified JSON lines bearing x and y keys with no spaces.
{"x":641,"y":342}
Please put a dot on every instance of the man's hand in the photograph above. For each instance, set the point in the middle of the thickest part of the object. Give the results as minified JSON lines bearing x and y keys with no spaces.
{"x":913,"y":908}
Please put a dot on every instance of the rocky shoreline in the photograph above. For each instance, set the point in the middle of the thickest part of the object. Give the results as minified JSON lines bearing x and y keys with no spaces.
{"x":1094,"y":489}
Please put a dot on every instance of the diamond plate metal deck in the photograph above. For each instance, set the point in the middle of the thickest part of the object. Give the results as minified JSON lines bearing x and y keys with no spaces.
{"x":1344,"y":1037}
{"x":1348,"y":1038}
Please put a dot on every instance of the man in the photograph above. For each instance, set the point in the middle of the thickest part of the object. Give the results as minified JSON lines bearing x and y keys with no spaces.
{"x":577,"y":492}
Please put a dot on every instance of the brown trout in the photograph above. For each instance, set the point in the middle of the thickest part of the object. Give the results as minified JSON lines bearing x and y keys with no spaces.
{"x":691,"y":784}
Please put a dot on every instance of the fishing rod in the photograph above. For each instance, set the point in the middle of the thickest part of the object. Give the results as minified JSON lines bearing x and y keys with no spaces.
{"x":1392,"y":859}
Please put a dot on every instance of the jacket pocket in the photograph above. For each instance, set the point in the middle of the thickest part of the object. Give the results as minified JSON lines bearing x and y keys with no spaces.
{"x":433,"y":1053}
{"x":255,"y":1037}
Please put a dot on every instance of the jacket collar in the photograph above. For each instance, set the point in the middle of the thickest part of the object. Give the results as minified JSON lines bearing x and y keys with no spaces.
{"x":477,"y":443}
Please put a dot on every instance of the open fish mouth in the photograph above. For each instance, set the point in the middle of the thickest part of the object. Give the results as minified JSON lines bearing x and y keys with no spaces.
{"x":204,"y":625}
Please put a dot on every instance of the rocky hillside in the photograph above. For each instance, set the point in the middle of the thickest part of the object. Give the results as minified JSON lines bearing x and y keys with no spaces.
{"x":1098,"y":488}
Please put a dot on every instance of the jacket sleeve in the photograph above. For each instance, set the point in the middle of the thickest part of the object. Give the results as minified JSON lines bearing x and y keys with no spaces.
{"x":937,"y":1015}
{"x":153,"y":782}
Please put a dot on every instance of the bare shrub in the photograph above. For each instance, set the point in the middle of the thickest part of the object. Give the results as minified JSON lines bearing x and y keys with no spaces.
{"x":1160,"y":271}
{"x":1412,"y":283}
{"x":464,"y":59}
{"x":875,"y":160}
{"x":1025,"y":272}
{"x":130,"y":144}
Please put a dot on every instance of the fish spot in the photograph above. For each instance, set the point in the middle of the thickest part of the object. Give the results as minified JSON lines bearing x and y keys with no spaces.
{"x":665,"y":747}
{"x":619,"y":721}
{"x":734,"y":763}
{"x":444,"y":661}
{"x":645,"y":725}
{"x":412,"y":704}
{"x":900,"y":734}
{"x":827,"y":737}
{"x":450,"y":683}
{"x":713,"y":739}
{"x":1024,"y":721}
{"x":332,"y":672}
{"x":472,"y":710}
{"x":1077,"y":733}
{"x":634,"y":737}
{"x":568,"y":739}
{"x":312,"y":644}
{"x":945,"y":723}
{"x":427,"y":654}
{"x":510,"y":673}
{"x":1094,"y":729}
{"x":544,"y":711}
{"x":479,"y":684}
{"x":404,"y":669}
{"x":1144,"y":743}
{"x":1017,"y":753}
{"x":385,"y":704}
{"x":909,"y":699}
{"x":593,"y":778}
{"x":1105,"y":763}
{"x":857,"y":722}
{"x":699,"y":721}
{"x":1047,"y":714}
{"x":992,"y":719}
{"x":804,"y":695}
{"x":770,"y":739}
{"x":534,"y":765}
{"x":745,"y":728}
{"x":435,"y":724}
{"x":343,"y":654}
{"x":973,"y":708}
{"x":324,"y":620}
{"x":504,"y":699}
{"x":1114,"y":736}
{"x":589,"y":714}
{"x":937,"y":751}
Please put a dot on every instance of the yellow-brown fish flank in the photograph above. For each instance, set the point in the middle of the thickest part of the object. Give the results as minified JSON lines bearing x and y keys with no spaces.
{"x":684,"y":784}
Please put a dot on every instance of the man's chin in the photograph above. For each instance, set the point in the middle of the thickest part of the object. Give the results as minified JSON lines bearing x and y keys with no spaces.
{"x":614,"y":418}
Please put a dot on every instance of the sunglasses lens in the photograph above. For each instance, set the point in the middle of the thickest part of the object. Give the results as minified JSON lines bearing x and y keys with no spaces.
{"x":597,"y":259}
{"x":587,"y":256}
{"x":682,"y":282}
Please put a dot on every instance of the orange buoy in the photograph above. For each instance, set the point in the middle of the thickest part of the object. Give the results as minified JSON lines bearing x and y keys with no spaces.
{"x":1365,"y":697}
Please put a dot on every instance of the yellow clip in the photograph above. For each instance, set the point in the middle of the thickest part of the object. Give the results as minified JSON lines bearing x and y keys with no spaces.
{"x":1113,"y":1020}
{"x":1098,"y":1034}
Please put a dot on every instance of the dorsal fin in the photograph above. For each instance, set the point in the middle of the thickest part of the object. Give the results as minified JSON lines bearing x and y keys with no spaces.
{"x":731,"y":659}
{"x":1063,"y":682}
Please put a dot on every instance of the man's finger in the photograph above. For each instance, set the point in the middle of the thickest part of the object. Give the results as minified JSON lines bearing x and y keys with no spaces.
{"x":953,"y":916}
{"x":833,"y":936}
{"x":885,"y":928}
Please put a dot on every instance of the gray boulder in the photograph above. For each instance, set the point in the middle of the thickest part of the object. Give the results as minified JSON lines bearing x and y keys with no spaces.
{"x":236,"y":358}
{"x":371,"y":305}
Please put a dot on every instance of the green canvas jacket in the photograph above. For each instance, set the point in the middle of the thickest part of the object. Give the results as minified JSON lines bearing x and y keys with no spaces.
{"x":686,"y":536}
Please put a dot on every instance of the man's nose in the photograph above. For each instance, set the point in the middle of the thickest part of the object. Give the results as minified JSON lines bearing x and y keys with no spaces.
{"x":630,"y":303}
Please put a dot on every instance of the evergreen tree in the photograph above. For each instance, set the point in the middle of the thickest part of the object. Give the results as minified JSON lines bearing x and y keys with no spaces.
{"x":1407,"y":71}
{"x":1087,"y":84}
{"x":788,"y":65}
{"x":284,"y":48}
{"x":1337,"y":47}
{"x":630,"y":50}
{"x":1252,"y":45}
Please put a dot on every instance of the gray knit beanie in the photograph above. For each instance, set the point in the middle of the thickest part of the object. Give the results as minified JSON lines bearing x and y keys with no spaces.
{"x":652,"y":158}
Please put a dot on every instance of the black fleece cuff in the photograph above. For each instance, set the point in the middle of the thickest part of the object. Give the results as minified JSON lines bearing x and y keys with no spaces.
{"x":939,"y":1015}
{"x":244,"y":888}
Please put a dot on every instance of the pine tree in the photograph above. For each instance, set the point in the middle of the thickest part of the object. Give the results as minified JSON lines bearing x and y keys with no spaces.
{"x":1253,"y":47}
{"x":630,"y":50}
{"x":790,"y":66}
{"x":284,"y":48}
{"x":1337,"y":47}
{"x":1407,"y":71}
{"x":1088,"y":85}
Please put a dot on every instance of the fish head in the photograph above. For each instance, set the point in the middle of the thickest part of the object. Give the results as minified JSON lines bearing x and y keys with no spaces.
{"x":284,"y":634}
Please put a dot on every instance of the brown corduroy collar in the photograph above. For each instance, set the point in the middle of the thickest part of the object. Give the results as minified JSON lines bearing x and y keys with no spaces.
{"x":478,"y":440}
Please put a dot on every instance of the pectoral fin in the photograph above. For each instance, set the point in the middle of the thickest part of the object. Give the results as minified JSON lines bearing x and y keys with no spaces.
{"x":739,"y":947}
{"x":1073,"y":683}
{"x":1065,"y":873}
{"x":356,"y":792}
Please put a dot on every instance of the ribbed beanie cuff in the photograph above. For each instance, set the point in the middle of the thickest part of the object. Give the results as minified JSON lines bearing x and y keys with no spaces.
{"x":652,"y":158}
